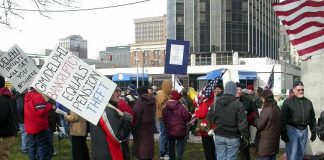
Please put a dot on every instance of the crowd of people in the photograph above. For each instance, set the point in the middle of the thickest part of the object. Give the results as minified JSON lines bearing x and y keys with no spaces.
{"x":224,"y":121}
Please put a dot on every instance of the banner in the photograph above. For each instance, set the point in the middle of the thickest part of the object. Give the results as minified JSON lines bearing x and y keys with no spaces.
{"x":73,"y":83}
{"x":176,"y":58}
{"x":18,"y":68}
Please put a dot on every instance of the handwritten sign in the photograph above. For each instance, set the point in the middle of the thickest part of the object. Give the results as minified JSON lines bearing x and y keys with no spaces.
{"x":73,"y":83}
{"x":18,"y":68}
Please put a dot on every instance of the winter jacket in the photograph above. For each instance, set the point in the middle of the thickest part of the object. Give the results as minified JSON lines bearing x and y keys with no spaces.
{"x":230,"y":118}
{"x":175,"y":117}
{"x":8,"y":118}
{"x":298,"y":112}
{"x":204,"y":125}
{"x":104,"y":146}
{"x":144,"y":123}
{"x":268,"y":131}
{"x":78,"y":125}
{"x":20,"y":107}
{"x":162,"y":97}
{"x":36,"y":112}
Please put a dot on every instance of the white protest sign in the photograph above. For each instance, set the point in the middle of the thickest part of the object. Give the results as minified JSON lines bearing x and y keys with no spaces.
{"x":176,"y":54}
{"x":18,"y":68}
{"x":231,"y":75}
{"x":73,"y":83}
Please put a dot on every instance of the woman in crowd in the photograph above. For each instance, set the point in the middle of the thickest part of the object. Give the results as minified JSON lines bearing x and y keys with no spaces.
{"x":268,"y":128}
{"x":144,"y":113}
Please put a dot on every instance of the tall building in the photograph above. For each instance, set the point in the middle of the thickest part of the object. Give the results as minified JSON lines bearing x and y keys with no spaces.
{"x":76,"y":44}
{"x":150,"y":29}
{"x":218,"y":28}
{"x":150,"y":42}
{"x":120,"y":55}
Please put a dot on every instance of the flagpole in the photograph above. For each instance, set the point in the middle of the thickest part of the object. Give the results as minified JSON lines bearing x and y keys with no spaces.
{"x":173,"y":80}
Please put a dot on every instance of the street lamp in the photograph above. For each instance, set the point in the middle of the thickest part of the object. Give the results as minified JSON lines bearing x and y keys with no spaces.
{"x":136,"y":58}
{"x":142,"y":65}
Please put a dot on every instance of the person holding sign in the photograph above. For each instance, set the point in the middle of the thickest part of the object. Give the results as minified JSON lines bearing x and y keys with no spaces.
{"x":7,"y":120}
{"x":109,"y":138}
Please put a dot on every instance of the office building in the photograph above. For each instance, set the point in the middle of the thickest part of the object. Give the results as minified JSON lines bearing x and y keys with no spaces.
{"x":218,"y":28}
{"x":76,"y":44}
{"x":119,"y":55}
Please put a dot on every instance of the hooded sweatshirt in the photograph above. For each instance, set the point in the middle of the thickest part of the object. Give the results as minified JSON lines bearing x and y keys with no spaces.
{"x":8,"y":118}
{"x":175,"y":116}
{"x":162,"y":97}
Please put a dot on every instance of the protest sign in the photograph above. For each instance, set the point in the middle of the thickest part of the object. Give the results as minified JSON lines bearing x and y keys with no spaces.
{"x":176,"y":58}
{"x":73,"y":83}
{"x":18,"y":68}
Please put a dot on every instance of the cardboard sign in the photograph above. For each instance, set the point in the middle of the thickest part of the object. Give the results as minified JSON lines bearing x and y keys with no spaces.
{"x":18,"y":68}
{"x":176,"y":58}
{"x":76,"y":85}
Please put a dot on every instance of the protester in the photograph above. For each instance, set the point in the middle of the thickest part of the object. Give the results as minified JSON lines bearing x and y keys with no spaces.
{"x":20,"y":113}
{"x":203,"y":127}
{"x":290,"y":94}
{"x":162,"y":97}
{"x":53,"y":123}
{"x":268,"y":128}
{"x":250,"y":110}
{"x":176,"y":116}
{"x":36,"y":114}
{"x":131,"y":95}
{"x":229,"y":115}
{"x":112,"y":145}
{"x":63,"y":123}
{"x":297,"y":114}
{"x":144,"y":123}
{"x":8,"y":121}
{"x":78,"y":132}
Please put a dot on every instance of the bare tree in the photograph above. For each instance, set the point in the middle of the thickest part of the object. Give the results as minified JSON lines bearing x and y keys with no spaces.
{"x":11,"y":8}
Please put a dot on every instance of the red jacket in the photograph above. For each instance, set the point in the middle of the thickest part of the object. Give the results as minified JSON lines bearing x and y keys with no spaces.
{"x":201,"y":113}
{"x":36,"y":113}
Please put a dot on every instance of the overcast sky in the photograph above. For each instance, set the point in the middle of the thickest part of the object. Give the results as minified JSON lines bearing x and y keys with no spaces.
{"x":102,"y":28}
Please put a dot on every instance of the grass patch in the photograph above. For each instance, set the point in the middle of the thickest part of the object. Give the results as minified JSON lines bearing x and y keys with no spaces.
{"x":64,"y":151}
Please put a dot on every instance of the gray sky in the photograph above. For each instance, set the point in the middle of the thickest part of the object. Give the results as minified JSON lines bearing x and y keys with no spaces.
{"x":109,"y":27}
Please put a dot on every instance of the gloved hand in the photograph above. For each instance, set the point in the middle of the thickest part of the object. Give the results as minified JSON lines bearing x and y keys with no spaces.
{"x":128,"y":117}
{"x":211,"y":132}
{"x":59,"y":111}
{"x":246,"y":142}
{"x":313,"y":136}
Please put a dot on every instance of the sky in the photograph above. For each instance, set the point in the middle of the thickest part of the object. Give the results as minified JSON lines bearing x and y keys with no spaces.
{"x":102,"y":28}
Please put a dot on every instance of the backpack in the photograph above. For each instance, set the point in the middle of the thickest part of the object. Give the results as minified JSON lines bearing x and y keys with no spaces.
{"x":320,"y":127}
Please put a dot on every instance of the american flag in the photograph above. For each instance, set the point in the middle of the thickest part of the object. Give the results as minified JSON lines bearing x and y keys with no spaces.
{"x":270,"y":83}
{"x":205,"y":93}
{"x":304,"y":23}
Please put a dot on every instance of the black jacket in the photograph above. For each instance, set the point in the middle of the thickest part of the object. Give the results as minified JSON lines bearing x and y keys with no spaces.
{"x":229,"y":116}
{"x":298,"y":112}
{"x":8,"y":119}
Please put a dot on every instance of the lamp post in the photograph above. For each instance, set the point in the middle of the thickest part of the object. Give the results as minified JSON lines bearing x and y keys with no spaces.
{"x":142,"y":68}
{"x":136,"y":69}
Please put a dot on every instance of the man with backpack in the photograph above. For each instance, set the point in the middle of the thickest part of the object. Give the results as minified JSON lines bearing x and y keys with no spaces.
{"x":297,"y":114}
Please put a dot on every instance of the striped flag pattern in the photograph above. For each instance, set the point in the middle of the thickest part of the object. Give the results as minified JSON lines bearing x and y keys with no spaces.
{"x":270,"y":83}
{"x":304,"y":23}
{"x":205,"y":93}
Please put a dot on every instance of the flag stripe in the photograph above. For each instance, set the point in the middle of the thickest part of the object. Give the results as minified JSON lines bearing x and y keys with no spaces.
{"x":310,"y":15}
{"x":290,"y":9}
{"x":317,"y":47}
{"x":305,"y":32}
{"x":310,"y":43}
{"x":304,"y":26}
{"x":306,"y":56}
{"x":285,"y":3}
{"x":304,"y":21}
{"x":308,"y":37}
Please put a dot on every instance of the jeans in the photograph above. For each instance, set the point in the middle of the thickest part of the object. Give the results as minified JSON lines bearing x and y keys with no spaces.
{"x":273,"y":157}
{"x":163,"y":140}
{"x":180,"y":148}
{"x":297,"y":143}
{"x":38,"y":146}
{"x":23,"y":138}
{"x":50,"y":143}
{"x":227,"y":148}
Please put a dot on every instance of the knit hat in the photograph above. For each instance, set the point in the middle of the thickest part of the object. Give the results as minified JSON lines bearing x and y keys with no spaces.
{"x":230,"y":88}
{"x":142,"y":90}
{"x":250,"y":87}
{"x":132,"y":87}
{"x":298,"y":83}
{"x":175,"y":95}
